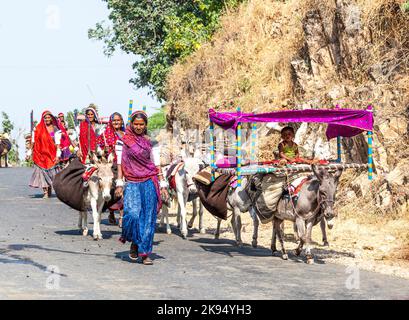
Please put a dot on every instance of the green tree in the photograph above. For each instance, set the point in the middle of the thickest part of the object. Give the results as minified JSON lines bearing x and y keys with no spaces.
{"x":6,"y":123}
{"x":157,"y":120}
{"x":405,"y":6}
{"x":159,"y":32}
{"x":70,"y":120}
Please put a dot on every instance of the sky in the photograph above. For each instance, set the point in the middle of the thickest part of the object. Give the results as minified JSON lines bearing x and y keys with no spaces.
{"x":47,"y":61}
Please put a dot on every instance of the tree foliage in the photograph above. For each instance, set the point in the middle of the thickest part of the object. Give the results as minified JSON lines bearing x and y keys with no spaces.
{"x":157,"y":120}
{"x":159,"y":32}
{"x":70,"y":119}
{"x":405,"y":6}
{"x":6,"y":123}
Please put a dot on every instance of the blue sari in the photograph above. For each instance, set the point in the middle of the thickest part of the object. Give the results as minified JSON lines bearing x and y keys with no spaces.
{"x":140,"y":212}
{"x":141,"y":195}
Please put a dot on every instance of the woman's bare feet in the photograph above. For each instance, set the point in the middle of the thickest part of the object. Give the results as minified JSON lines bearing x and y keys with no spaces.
{"x":147,"y":261}
{"x":133,"y":253}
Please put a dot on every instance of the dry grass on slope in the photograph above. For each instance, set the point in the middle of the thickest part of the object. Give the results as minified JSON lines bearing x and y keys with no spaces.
{"x":249,"y":61}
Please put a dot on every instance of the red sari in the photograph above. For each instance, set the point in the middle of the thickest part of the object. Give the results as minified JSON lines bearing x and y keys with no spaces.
{"x":65,"y":142}
{"x":88,"y":137}
{"x":45,"y":150}
{"x":109,"y":138}
{"x":44,"y":155}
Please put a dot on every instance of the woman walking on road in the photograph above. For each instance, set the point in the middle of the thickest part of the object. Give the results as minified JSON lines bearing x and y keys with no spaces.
{"x":45,"y":153}
{"x":139,"y":164}
{"x":88,"y":134}
{"x":107,"y":141}
{"x":65,"y":139}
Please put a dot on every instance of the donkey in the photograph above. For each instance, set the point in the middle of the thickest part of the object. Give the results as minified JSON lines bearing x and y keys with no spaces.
{"x":315,"y":204}
{"x":5,"y":147}
{"x":185,"y":188}
{"x":99,"y":192}
{"x":238,"y":202}
{"x":323,"y":225}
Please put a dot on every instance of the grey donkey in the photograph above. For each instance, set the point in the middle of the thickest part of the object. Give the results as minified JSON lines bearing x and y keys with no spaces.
{"x":185,"y":188}
{"x":315,"y":204}
{"x":239,"y":201}
{"x":99,"y":192}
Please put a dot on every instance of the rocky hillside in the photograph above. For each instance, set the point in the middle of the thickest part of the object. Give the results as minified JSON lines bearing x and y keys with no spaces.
{"x":271,"y":55}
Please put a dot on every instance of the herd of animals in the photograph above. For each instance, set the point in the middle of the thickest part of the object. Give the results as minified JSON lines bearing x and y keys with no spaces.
{"x":315,"y":205}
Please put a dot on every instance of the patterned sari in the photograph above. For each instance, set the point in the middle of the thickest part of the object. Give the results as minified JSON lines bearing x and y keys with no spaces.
{"x":44,"y":154}
{"x":142,"y":199}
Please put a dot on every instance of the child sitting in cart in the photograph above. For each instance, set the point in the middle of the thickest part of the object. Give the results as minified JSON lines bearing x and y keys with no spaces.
{"x":288,"y":149}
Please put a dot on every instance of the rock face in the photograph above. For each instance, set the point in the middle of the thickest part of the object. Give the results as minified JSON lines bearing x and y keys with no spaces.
{"x":313,"y":54}
{"x":335,"y":45}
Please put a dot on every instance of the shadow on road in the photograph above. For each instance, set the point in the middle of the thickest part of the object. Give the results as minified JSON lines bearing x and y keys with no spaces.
{"x":229,"y":248}
{"x":108,"y":234}
{"x":10,"y":258}
{"x":22,"y":247}
{"x":124,"y":256}
{"x":36,"y":196}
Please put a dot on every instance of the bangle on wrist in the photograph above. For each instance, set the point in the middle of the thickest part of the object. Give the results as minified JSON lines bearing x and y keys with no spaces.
{"x":120,"y":182}
{"x":163,"y":184}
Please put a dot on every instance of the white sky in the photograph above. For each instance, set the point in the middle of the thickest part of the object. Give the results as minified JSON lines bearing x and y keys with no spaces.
{"x":48,"y":62}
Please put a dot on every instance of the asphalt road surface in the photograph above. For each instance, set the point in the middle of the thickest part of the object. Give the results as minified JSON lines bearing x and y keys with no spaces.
{"x":43,"y":256}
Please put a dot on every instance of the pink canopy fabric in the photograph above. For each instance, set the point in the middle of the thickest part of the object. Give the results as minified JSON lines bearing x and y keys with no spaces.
{"x":341,"y":122}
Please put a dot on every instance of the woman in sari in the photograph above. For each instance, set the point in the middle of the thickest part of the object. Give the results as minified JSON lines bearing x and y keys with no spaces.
{"x":45,"y":155}
{"x":107,"y":142}
{"x":88,"y":134}
{"x":139,"y":164}
{"x":65,"y":141}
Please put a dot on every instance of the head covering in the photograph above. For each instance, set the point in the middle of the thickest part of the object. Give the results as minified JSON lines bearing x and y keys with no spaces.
{"x":137,"y":164}
{"x":65,"y":139}
{"x":45,"y":150}
{"x":61,"y":115}
{"x":92,"y":109}
{"x":140,"y":115}
{"x":108,"y":139}
{"x":111,"y":119}
{"x":88,"y":137}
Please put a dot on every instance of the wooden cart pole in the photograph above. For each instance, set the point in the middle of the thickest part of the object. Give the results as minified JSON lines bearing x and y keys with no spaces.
{"x":370,"y":150}
{"x":238,"y":147}
{"x":32,"y":121}
{"x":130,"y":110}
{"x":212,"y":151}
{"x":339,"y":150}
{"x":253,"y":142}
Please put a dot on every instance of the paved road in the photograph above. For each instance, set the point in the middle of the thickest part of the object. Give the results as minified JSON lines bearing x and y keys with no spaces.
{"x":38,"y":235}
